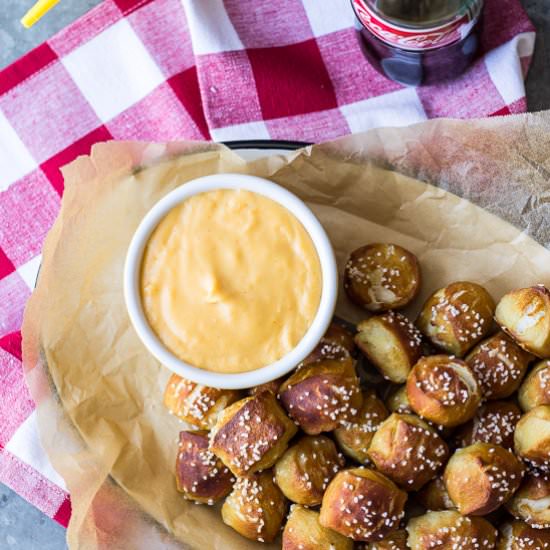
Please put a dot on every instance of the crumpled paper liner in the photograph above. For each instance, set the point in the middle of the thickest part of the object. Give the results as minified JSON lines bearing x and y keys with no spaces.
{"x":99,"y":393}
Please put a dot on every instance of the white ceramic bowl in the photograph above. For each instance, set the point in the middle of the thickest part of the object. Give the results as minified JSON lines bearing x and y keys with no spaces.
{"x":322,"y":245}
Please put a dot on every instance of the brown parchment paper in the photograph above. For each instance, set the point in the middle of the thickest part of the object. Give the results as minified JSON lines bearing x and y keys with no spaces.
{"x":99,"y":393}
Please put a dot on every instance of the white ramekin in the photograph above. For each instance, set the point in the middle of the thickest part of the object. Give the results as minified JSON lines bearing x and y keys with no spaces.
{"x":132,"y":270}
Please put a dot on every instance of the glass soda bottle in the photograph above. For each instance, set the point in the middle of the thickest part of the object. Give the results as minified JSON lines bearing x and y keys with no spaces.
{"x":419,"y":42}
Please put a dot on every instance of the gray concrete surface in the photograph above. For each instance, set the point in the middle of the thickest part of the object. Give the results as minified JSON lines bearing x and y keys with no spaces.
{"x":538,"y":81}
{"x":22,"y":527}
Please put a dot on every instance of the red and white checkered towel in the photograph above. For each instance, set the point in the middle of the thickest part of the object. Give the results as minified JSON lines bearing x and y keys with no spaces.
{"x":210,"y":69}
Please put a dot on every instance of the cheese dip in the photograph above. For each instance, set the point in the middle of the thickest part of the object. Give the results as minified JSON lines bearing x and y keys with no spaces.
{"x":230,"y":281}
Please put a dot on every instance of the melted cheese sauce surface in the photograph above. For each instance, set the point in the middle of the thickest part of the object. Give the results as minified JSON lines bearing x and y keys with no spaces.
{"x":230,"y":281}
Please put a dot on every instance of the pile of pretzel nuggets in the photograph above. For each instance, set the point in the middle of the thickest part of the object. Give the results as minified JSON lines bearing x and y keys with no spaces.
{"x":426,"y":435}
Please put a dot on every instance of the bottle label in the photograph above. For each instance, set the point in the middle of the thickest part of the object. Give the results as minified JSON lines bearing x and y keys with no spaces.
{"x":419,"y":39}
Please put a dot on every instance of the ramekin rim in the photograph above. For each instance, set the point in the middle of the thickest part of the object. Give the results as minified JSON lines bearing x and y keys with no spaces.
{"x":321,"y":242}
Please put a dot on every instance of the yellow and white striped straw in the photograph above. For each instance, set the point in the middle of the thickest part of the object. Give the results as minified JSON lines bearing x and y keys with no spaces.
{"x":37,"y":11}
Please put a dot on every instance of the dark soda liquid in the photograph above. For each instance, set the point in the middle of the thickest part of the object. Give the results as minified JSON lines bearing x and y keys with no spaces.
{"x":419,"y":67}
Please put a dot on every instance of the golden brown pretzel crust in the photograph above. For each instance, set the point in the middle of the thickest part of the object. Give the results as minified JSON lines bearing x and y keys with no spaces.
{"x":198,"y":405}
{"x":448,"y":530}
{"x":535,"y":389}
{"x":337,"y":343}
{"x":256,"y":507}
{"x":391,"y":343}
{"x":443,"y":389}
{"x":362,"y":504}
{"x":532,"y":437}
{"x":306,"y":468}
{"x":494,"y":422}
{"x":272,"y":386}
{"x":324,"y":351}
{"x":398,"y":401}
{"x":499,"y":365}
{"x":525,"y":315}
{"x":252,"y":434}
{"x":517,"y":535}
{"x":394,"y":541}
{"x":320,"y":396}
{"x":382,"y":276}
{"x":338,"y":336}
{"x":482,"y":477}
{"x":531,"y":502}
{"x":456,"y":317}
{"x":354,"y":436}
{"x":304,"y":532}
{"x":408,"y":451}
{"x":434,"y":496}
{"x":200,"y":475}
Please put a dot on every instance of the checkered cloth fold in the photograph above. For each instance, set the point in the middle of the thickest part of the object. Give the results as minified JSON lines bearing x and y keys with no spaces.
{"x":158,"y":70}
